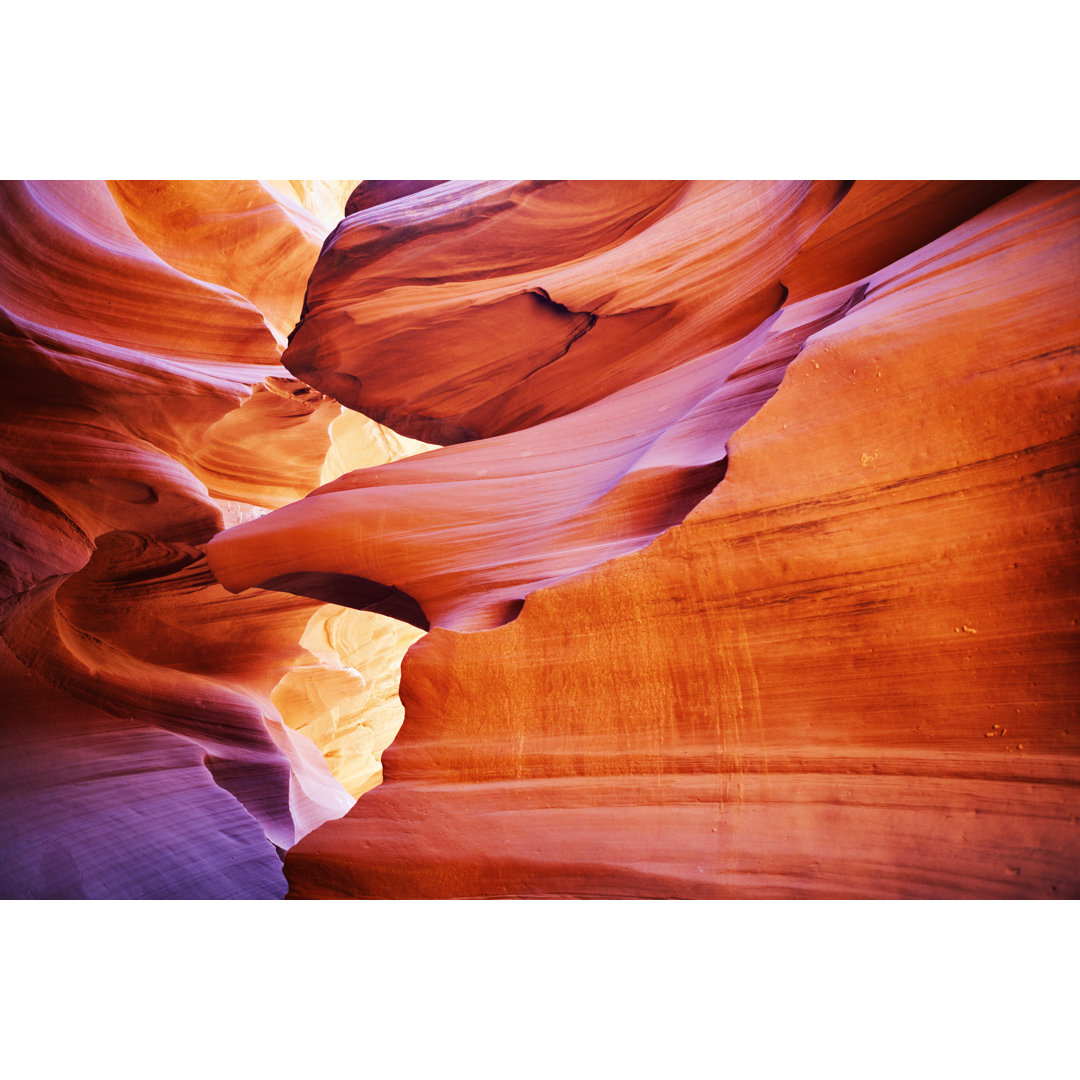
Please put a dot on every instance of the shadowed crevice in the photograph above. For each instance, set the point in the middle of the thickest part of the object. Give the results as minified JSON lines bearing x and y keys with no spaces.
{"x":351,"y":591}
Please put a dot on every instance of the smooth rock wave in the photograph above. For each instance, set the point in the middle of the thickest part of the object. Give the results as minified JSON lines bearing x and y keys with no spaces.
{"x":143,"y":753}
{"x":729,"y":527}
{"x":851,"y":672}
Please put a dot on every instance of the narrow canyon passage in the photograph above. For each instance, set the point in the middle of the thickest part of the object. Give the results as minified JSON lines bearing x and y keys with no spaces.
{"x":728,"y":527}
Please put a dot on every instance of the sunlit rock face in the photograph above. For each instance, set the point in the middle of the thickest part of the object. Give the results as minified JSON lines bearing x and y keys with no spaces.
{"x":850,"y":672}
{"x":740,"y":516}
{"x":144,"y":750}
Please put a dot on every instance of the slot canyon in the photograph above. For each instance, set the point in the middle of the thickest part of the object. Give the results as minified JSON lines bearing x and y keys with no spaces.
{"x":540,"y":539}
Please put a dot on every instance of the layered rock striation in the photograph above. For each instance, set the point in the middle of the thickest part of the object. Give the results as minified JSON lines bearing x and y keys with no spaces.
{"x":851,"y":672}
{"x":143,"y":752}
{"x":469,"y":310}
{"x":739,"y":516}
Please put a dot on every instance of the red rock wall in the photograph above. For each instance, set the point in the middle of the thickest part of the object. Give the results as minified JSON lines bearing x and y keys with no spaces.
{"x":852,"y":672}
{"x":752,"y":574}
{"x":474,"y":309}
{"x":142,"y":753}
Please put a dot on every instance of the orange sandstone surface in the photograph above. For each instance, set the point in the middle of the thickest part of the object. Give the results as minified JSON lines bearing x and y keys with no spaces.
{"x":474,"y":309}
{"x":160,"y":737}
{"x":750,"y":572}
{"x":851,"y":672}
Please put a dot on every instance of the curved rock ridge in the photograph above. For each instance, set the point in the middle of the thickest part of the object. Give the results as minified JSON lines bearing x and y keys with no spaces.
{"x":71,"y":263}
{"x":115,"y":368}
{"x":108,"y":344}
{"x":150,"y":617}
{"x":468,"y":532}
{"x":848,"y":669}
{"x":370,"y":193}
{"x":141,"y":642}
{"x":242,"y":235}
{"x":144,"y":754}
{"x":850,"y":672}
{"x":881,"y":221}
{"x":469,"y":310}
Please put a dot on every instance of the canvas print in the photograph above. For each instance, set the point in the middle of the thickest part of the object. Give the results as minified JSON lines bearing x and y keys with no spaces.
{"x":539,"y":539}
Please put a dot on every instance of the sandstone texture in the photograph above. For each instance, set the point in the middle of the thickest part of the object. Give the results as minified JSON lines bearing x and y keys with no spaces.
{"x":474,"y":309}
{"x":143,"y":753}
{"x":727,"y":531}
{"x":851,"y":672}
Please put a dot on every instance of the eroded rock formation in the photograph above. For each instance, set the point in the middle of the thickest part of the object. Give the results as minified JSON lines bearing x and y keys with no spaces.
{"x":144,"y":753}
{"x":752,"y":573}
{"x":469,"y":310}
{"x":851,"y":672}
